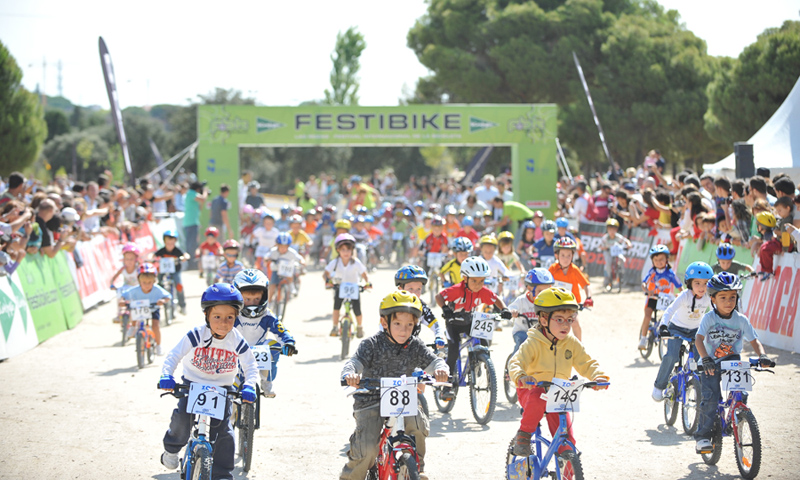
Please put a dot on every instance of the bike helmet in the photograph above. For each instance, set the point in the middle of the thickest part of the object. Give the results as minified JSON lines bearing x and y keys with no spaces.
{"x":562,"y":222}
{"x":361,"y":210}
{"x":450,"y":210}
{"x":549,"y":226}
{"x":410,"y":273}
{"x":467,"y":221}
{"x":408,"y":213}
{"x":767,"y":219}
{"x":147,"y":269}
{"x":538,"y":214}
{"x":539,"y":276}
{"x":253,"y":279}
{"x":369,"y":219}
{"x":401,"y":301}
{"x":528,"y":224}
{"x":659,"y":249}
{"x":462,"y":244}
{"x":724,"y":282}
{"x":697,"y":270}
{"x":505,"y":236}
{"x":267,"y":214}
{"x":565,"y":243}
{"x":342,"y":223}
{"x":475,"y":267}
{"x":248,"y":209}
{"x":360,"y":219}
{"x":554,"y":299}
{"x":330,"y":208}
{"x":345,"y":239}
{"x":488,"y":213}
{"x":438,"y":221}
{"x":213,"y":231}
{"x":419,"y":204}
{"x":231,"y":244}
{"x":612,"y":222}
{"x":427,"y":216}
{"x":355,"y":179}
{"x":488,"y":239}
{"x":130,"y":248}
{"x":296,"y":219}
{"x":434,"y":208}
{"x":398,"y":213}
{"x":285,"y":209}
{"x":462,"y":212}
{"x":170,"y":233}
{"x":254,"y":184}
{"x":725,"y":251}
{"x":283,"y":238}
{"x":221,"y":294}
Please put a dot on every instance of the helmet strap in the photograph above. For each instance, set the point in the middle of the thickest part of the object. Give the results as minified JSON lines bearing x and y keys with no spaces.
{"x":547,"y":333}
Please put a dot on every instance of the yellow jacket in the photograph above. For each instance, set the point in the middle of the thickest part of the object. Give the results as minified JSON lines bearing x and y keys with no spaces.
{"x":534,"y":358}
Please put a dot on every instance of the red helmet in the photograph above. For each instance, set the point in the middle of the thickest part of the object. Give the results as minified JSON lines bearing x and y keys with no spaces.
{"x":147,"y":268}
{"x":231,"y":244}
{"x":213,"y":231}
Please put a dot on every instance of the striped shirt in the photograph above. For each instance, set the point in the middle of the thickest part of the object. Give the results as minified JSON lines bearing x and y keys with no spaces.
{"x":225,"y":273}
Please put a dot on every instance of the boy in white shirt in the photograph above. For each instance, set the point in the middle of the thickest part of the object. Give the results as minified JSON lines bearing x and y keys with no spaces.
{"x":345,"y":269}
{"x":265,"y":236}
{"x":282,"y":254}
{"x":497,"y":269}
{"x":522,"y":309}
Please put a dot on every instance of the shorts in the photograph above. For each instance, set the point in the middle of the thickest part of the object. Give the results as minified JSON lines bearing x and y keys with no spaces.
{"x":354,"y":304}
{"x":652,"y":303}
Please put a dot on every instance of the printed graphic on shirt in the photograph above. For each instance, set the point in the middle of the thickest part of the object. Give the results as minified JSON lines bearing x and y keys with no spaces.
{"x":724,"y":338}
{"x":213,"y":360}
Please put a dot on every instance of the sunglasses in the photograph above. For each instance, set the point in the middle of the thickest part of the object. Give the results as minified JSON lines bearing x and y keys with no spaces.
{"x":232,"y":255}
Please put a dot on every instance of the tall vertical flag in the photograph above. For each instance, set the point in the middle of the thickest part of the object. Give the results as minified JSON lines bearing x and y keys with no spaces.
{"x":116,"y":113}
{"x":591,"y":105}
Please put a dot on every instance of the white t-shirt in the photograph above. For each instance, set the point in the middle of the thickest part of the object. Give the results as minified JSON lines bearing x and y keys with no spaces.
{"x":680,"y":312}
{"x":524,"y":306}
{"x":265,"y":239}
{"x":341,"y":273}
{"x":160,"y":206}
{"x":497,"y":268}
{"x":484,"y":194}
{"x":581,"y":206}
{"x":291,"y":257}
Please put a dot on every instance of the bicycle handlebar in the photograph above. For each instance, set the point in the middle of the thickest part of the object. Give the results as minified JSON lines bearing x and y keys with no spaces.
{"x":375,"y":383}
{"x":182,"y":389}
{"x":546,"y":384}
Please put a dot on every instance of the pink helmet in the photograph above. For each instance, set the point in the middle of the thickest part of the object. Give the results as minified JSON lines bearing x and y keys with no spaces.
{"x":248,"y":209}
{"x":345,"y":238}
{"x":130,"y":247}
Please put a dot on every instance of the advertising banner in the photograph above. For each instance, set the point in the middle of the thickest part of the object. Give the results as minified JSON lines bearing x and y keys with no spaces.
{"x":101,"y":260}
{"x":691,"y":251}
{"x":19,"y":332}
{"x":67,"y":292}
{"x":42,"y":296}
{"x":771,"y":305}
{"x":636,"y":257}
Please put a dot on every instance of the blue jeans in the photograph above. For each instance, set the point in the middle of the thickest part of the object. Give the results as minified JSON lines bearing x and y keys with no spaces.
{"x":190,"y":244}
{"x":673,"y":352}
{"x":711,"y":396}
{"x":519,"y":337}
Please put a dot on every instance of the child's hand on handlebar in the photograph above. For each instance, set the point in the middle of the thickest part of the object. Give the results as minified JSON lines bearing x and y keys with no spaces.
{"x":526,"y":381}
{"x":441,"y":375}
{"x":600,"y":379}
{"x":166,"y":382}
{"x":353,"y":379}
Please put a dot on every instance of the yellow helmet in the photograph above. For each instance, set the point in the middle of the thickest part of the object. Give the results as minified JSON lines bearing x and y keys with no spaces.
{"x":555,"y":298}
{"x":612,"y":222}
{"x":505,"y":235}
{"x":490,"y":239}
{"x":401,"y":301}
{"x":767,"y":219}
{"x":342,"y":223}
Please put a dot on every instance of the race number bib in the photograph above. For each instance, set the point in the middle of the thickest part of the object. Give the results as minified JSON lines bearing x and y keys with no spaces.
{"x":263,"y":356}
{"x":206,"y":400}
{"x":397,"y":236}
{"x":564,"y":396}
{"x":664,"y":301}
{"x":736,"y":376}
{"x":482,"y":325}
{"x":286,"y":269}
{"x":616,"y":250}
{"x":565,"y":285}
{"x":348,"y":291}
{"x":167,"y":265}
{"x":326,"y":239}
{"x":514,"y":282}
{"x":547,"y":261}
{"x":491,"y":283}
{"x":140,"y":310}
{"x":435,"y":260}
{"x":398,"y":397}
{"x":209,"y":262}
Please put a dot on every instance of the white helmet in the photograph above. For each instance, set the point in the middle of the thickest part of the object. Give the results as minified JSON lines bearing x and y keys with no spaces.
{"x":475,"y":267}
{"x":256,"y":280}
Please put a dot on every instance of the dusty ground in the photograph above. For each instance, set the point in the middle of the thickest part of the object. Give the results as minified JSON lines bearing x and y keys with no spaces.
{"x":77,"y":406}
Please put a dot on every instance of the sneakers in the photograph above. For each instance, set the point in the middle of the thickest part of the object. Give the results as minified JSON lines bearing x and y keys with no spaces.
{"x":170,"y":460}
{"x":422,"y":476}
{"x":447,"y":395}
{"x":498,"y":328}
{"x":704,"y":445}
{"x":266,"y":388}
{"x":359,"y":332}
{"x":522,"y":444}
{"x":159,"y":351}
{"x":643,"y":343}
{"x":658,"y":394}
{"x":335,"y":331}
{"x":183,"y":310}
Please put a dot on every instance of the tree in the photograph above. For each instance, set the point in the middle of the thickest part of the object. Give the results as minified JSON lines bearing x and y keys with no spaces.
{"x":747,"y":91}
{"x":22,"y":125}
{"x":345,"y":58}
{"x":57,"y":123}
{"x":84,"y":150}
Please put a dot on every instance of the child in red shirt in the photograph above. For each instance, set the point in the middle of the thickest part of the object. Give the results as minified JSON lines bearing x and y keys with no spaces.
{"x":467,"y":231}
{"x":436,"y":242}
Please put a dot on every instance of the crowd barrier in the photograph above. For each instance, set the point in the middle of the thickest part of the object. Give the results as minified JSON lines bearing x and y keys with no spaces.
{"x":771,"y":305}
{"x":691,"y":251}
{"x":636,"y":262}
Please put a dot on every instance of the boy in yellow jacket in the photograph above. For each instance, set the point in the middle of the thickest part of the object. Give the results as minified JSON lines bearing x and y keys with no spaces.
{"x":549,"y":351}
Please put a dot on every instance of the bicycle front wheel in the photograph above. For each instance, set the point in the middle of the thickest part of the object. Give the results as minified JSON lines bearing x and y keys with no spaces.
{"x":671,"y":402}
{"x":747,"y":448}
{"x":482,"y":388}
{"x":407,"y":468}
{"x":508,"y":386}
{"x":169,"y":312}
{"x":662,"y":347}
{"x":434,"y":286}
{"x":124,"y":321}
{"x":247,"y":425}
{"x":285,"y":292}
{"x":345,"y":337}
{"x":569,"y":465}
{"x":200,"y":467}
{"x":140,"y":347}
{"x":650,"y":342}
{"x":689,"y":408}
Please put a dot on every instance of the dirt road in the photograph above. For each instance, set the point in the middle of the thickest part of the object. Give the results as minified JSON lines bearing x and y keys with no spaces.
{"x":77,"y":406}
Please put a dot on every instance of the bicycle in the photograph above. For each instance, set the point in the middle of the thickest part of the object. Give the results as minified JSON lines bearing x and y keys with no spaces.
{"x":664,"y":301}
{"x":476,"y":371}
{"x":209,"y":263}
{"x":551,"y":463}
{"x":399,"y":247}
{"x":123,"y":314}
{"x":347,"y":292}
{"x":286,"y":272}
{"x":736,"y":419}
{"x":435,"y":261}
{"x":197,"y":459}
{"x":166,"y":268}
{"x":397,"y":453}
{"x":140,"y":311}
{"x":618,"y":260}
{"x":683,"y":388}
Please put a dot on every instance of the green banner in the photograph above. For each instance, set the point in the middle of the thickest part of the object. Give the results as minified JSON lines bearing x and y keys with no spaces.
{"x":707,"y":252}
{"x":529,"y":130}
{"x":67,"y":292}
{"x":42,"y":295}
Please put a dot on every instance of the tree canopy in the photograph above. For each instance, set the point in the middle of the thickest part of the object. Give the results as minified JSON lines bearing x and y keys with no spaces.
{"x":346,"y":62}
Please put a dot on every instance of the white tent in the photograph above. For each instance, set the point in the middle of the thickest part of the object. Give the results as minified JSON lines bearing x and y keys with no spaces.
{"x":776,"y":145}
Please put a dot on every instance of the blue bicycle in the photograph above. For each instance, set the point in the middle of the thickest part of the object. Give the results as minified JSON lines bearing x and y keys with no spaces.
{"x":197,"y":458}
{"x":545,"y":460}
{"x":475,"y":370}
{"x":683,"y":388}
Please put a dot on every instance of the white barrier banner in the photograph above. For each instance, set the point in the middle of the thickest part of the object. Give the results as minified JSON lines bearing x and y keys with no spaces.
{"x":16,"y":323}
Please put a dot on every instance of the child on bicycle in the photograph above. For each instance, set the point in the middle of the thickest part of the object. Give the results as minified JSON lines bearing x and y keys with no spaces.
{"x":720,"y":337}
{"x":256,"y":321}
{"x":148,"y":290}
{"x":228,"y":270}
{"x":726,"y":263}
{"x":393,"y":352}
{"x":608,"y":241}
{"x":301,"y":242}
{"x":458,"y":301}
{"x":130,"y":266}
{"x":436,"y":242}
{"x":523,"y":309}
{"x":210,"y":246}
{"x":659,"y":279}
{"x":342,"y":226}
{"x":549,"y":351}
{"x":265,"y":236}
{"x":413,"y":279}
{"x":282,"y":253}
{"x":544,"y":246}
{"x":450,"y":272}
{"x":569,"y":277}
{"x":506,"y":253}
{"x":527,"y":239}
{"x":468,"y":231}
{"x":170,"y":250}
{"x":682,"y":318}
{"x":210,"y":354}
{"x":497,"y":269}
{"x":345,"y":269}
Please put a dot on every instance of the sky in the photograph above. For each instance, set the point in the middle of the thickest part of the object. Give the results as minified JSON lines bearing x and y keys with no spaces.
{"x":169,"y":51}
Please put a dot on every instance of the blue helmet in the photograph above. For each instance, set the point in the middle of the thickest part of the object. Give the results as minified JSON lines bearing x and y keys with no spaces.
{"x":361,"y":209}
{"x":419,"y":203}
{"x":268,"y":215}
{"x":283,"y":238}
{"x":355,"y":179}
{"x":221,"y":294}
{"x":369,"y":219}
{"x":467,"y":221}
{"x":285,"y":209}
{"x":549,"y":226}
{"x":410,"y":273}
{"x":725,"y":251}
{"x":659,"y":249}
{"x":253,"y":279}
{"x":539,"y":276}
{"x":562,"y":222}
{"x":326,"y":217}
{"x":407,"y":212}
{"x":724,"y":282}
{"x":462,"y":244}
{"x":698,"y":270}
{"x":170,"y":233}
{"x":360,"y":219}
{"x":528,"y":224}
